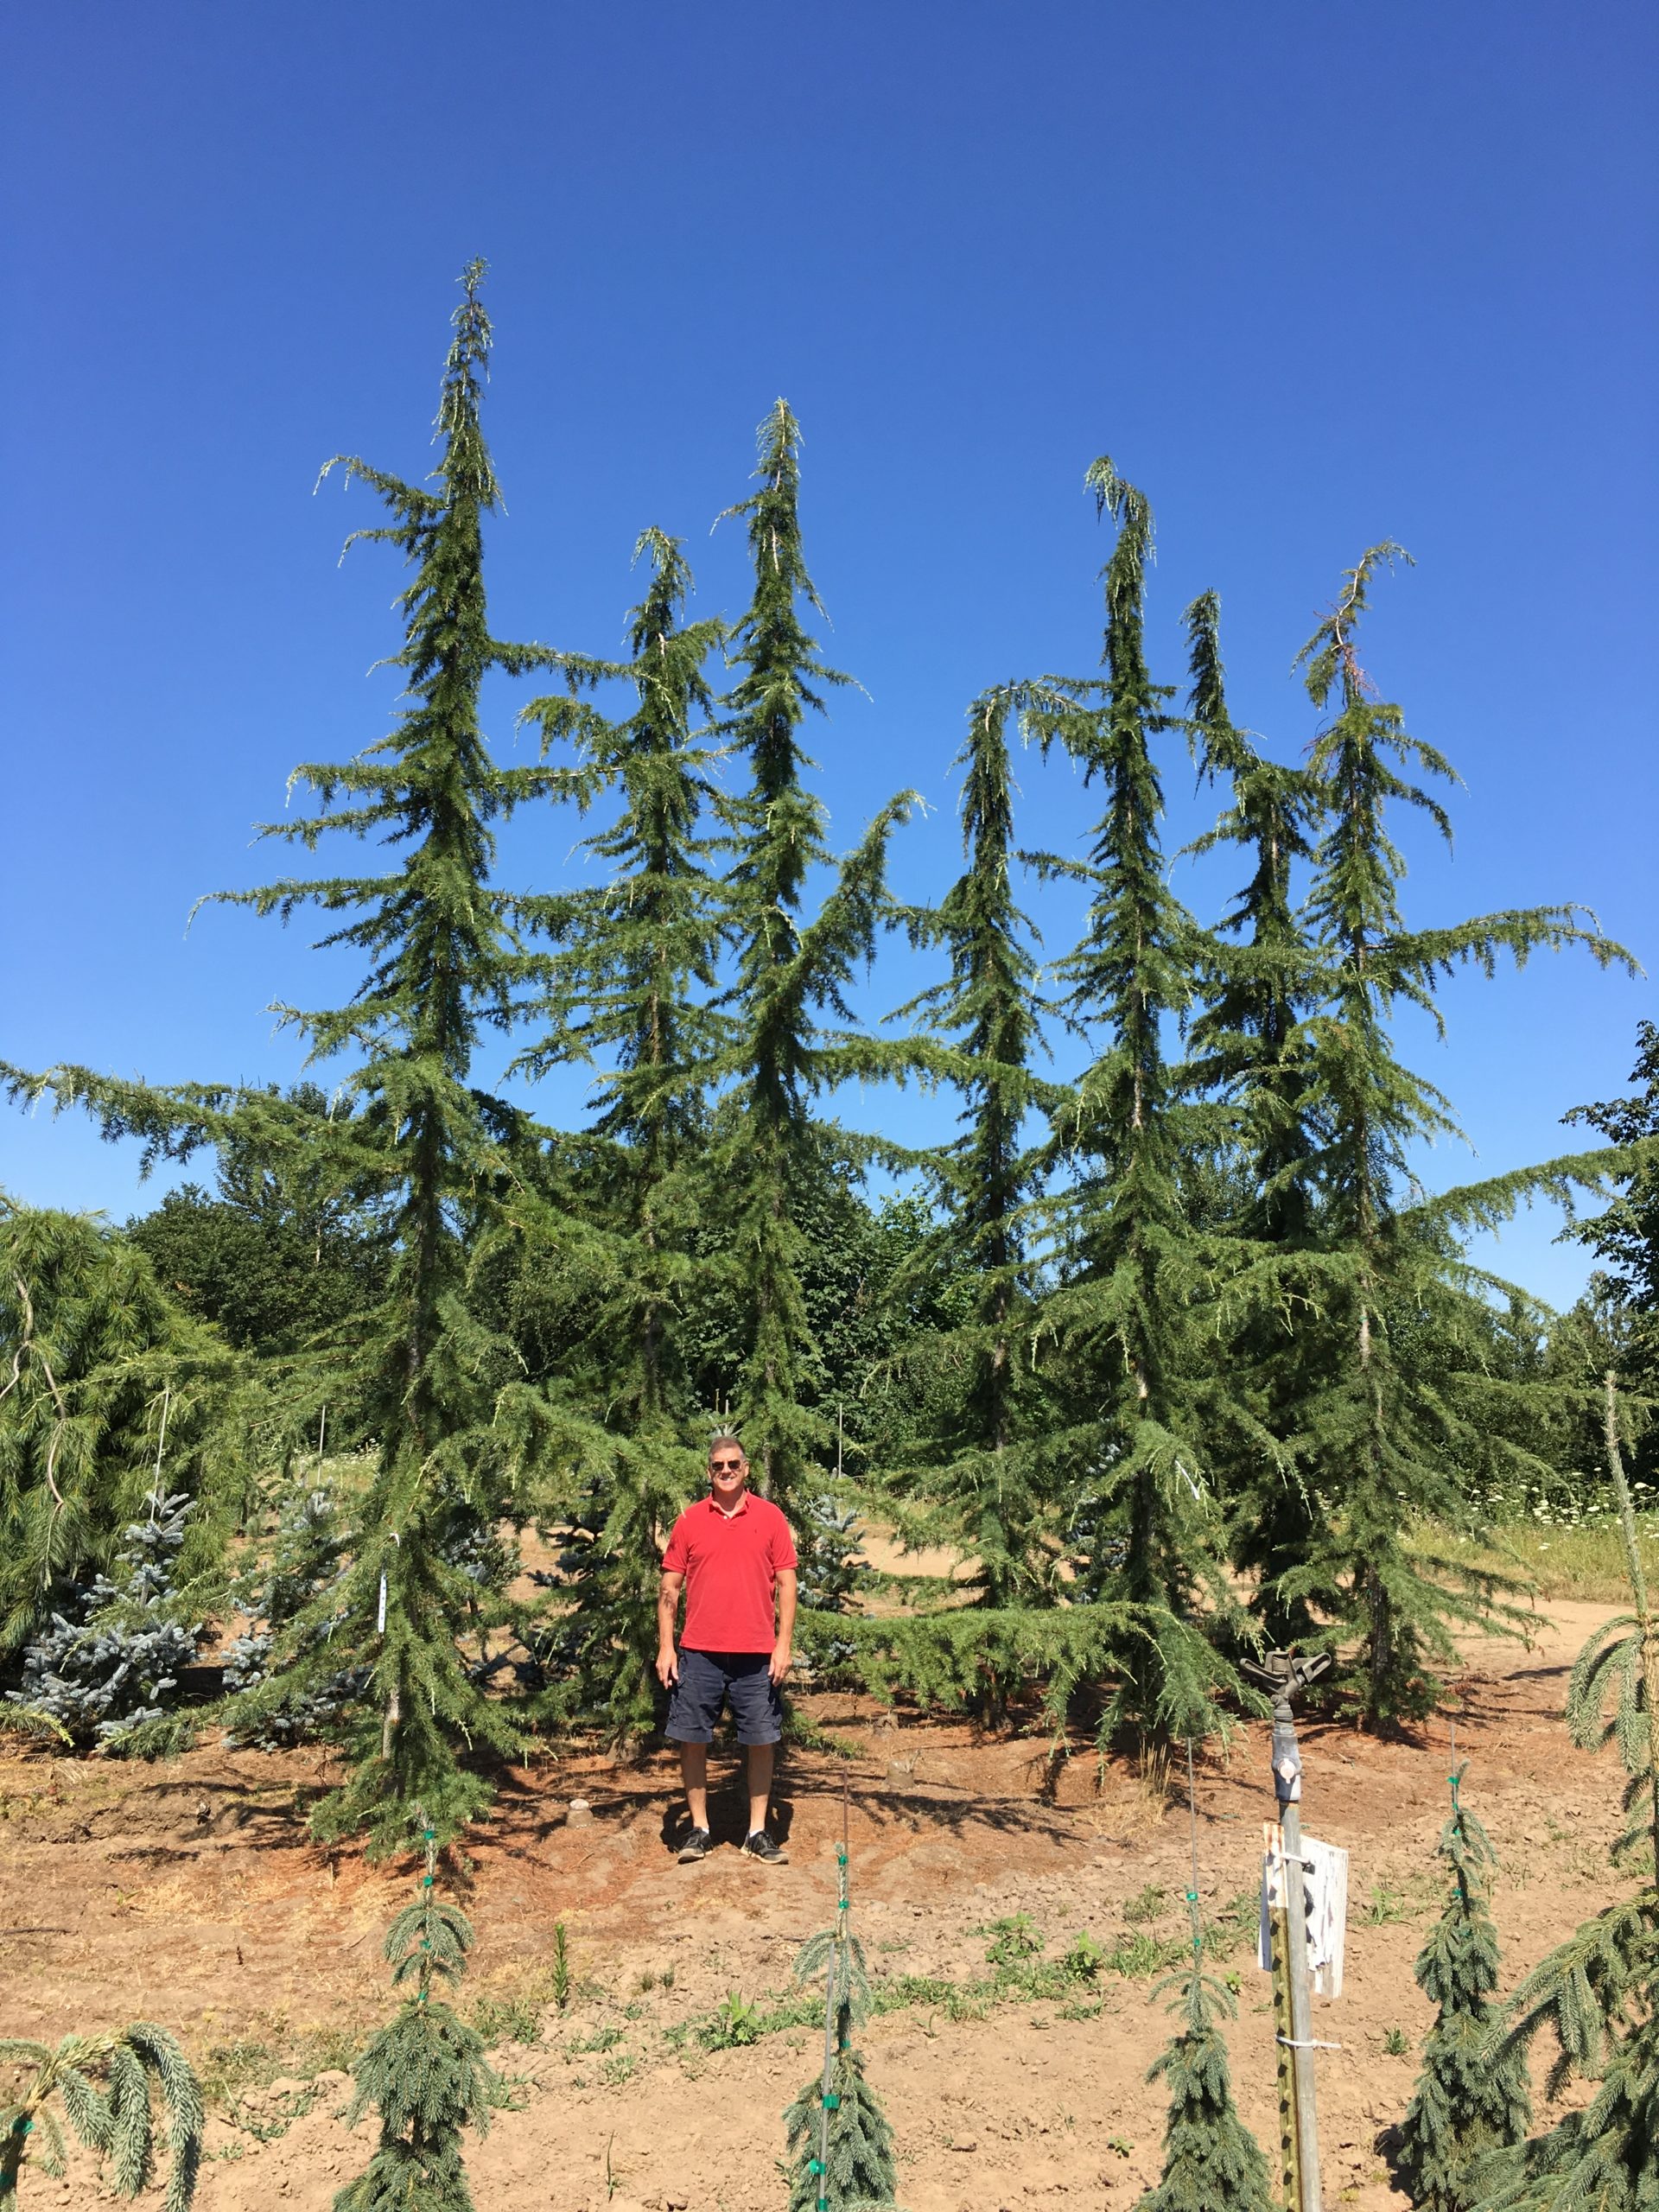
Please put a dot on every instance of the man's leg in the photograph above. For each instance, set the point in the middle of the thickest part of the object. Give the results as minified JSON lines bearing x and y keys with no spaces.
{"x":760,"y":1764}
{"x":692,"y":1716}
{"x":693,"y":1773}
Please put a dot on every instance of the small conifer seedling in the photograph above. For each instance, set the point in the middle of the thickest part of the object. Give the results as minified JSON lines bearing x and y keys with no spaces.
{"x":1472,"y":2094}
{"x":840,"y":2144}
{"x":102,"y":2085}
{"x":1211,"y":2161}
{"x":424,"y":2073}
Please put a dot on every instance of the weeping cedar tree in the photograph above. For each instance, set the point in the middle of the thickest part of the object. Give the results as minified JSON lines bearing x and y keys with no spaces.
{"x":1472,"y":2095}
{"x":988,"y":1487}
{"x":456,"y":1431}
{"x":102,"y":2084}
{"x":97,"y":1359}
{"x":1211,"y":2161}
{"x":425,"y":2072}
{"x":1599,"y":1993}
{"x":629,"y":977}
{"x":1246,"y":1048}
{"x":1135,"y":1269}
{"x":1383,"y":1439}
{"x":791,"y":972}
{"x":840,"y":2145}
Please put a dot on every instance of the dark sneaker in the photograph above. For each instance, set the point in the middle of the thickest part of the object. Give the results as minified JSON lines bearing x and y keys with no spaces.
{"x":697,"y":1845}
{"x":761,"y":1846}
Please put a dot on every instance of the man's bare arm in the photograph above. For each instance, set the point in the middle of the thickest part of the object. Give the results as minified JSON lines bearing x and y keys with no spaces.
{"x":783,"y":1649}
{"x":668,"y":1606}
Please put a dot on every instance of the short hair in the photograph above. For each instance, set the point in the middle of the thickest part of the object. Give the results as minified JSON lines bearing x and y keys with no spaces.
{"x":725,"y":1436}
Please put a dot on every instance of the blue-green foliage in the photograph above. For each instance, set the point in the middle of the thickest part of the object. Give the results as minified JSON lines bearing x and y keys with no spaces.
{"x":305,"y":1562}
{"x":109,"y":1662}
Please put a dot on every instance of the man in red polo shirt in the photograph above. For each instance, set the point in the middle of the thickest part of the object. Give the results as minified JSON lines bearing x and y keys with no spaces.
{"x":732,"y":1555}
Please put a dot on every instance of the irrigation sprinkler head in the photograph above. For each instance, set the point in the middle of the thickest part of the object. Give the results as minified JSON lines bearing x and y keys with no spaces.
{"x":1284,"y":1673}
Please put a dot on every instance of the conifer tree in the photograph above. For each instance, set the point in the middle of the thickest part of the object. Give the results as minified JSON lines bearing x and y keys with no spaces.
{"x":792,"y":969}
{"x":103,"y":2085}
{"x":839,"y":2142}
{"x":305,"y":1561}
{"x":99,"y":1372}
{"x":994,"y":1492}
{"x":628,"y":982}
{"x":1382,"y":1438}
{"x":424,"y":2073}
{"x":1247,"y":1047}
{"x":1124,"y":1311}
{"x":462,"y":1437}
{"x":440,"y":1390}
{"x":1472,"y":2095}
{"x":107,"y":1671}
{"x":1211,"y":2161}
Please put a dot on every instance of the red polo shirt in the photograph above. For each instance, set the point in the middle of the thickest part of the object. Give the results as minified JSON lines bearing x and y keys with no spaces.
{"x":731,"y":1564}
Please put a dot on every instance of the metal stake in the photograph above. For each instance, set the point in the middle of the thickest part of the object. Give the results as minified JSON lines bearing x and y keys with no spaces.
{"x":1284,"y":1674}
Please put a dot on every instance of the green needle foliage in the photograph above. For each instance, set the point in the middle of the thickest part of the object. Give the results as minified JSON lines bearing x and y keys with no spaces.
{"x":455,"y":1431}
{"x":992,"y":1488}
{"x":1472,"y":2095}
{"x":1211,"y":2161}
{"x":792,"y":971}
{"x":96,"y":1359}
{"x":860,"y":2168}
{"x":103,"y":2086}
{"x":1133,"y":1271}
{"x":424,"y":2073}
{"x":628,"y":982}
{"x":1385,"y":1435}
{"x":1599,"y":1993}
{"x":1248,"y":1050}
{"x":839,"y":2142}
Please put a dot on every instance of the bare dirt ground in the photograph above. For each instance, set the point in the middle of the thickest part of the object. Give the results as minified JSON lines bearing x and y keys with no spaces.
{"x":188,"y":1892}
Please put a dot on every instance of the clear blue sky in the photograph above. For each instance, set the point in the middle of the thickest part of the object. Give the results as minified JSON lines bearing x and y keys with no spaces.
{"x":1313,"y":275}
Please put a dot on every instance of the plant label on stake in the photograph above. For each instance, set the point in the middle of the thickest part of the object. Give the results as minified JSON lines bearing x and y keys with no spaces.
{"x":1324,"y":1904}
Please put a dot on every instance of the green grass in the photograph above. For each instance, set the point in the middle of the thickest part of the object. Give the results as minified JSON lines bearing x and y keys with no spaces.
{"x":230,"y":2070}
{"x":1081,"y":1968}
{"x":1584,"y":1559}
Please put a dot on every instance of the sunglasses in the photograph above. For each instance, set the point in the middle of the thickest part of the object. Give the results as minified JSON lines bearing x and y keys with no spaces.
{"x":724,"y":1466}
